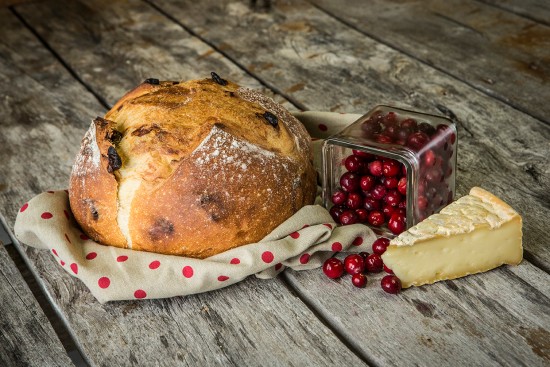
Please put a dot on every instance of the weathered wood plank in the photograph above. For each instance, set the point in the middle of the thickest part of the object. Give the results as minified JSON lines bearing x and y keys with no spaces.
{"x":26,"y":336}
{"x":492,"y":319}
{"x":326,"y":66}
{"x":486,"y":47}
{"x":537,"y":10}
{"x":253,"y":323}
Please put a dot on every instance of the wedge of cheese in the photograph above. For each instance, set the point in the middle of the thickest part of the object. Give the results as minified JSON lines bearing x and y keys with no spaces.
{"x":476,"y":233}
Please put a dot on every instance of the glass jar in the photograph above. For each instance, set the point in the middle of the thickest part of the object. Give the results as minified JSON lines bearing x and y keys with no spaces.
{"x":390,"y":169}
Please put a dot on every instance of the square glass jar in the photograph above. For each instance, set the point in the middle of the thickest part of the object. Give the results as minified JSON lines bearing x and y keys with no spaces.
{"x":390,"y":169}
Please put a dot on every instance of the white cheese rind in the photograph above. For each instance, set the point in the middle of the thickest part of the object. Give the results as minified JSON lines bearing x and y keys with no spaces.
{"x":476,"y":233}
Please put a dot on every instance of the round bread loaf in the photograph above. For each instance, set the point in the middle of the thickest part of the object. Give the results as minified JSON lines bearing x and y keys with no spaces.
{"x":192,"y":168}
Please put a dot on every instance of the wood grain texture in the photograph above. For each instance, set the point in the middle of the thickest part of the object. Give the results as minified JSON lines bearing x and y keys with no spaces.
{"x":324,"y":65}
{"x":254,"y":323}
{"x":493,"y":319}
{"x":484,"y":46}
{"x":26,"y":336}
{"x":537,"y":10}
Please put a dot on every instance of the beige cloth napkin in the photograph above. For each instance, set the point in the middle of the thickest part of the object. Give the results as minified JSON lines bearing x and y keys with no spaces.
{"x":302,"y":242}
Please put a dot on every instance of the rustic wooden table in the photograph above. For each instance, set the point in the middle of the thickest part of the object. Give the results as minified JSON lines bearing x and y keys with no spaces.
{"x":485,"y":64}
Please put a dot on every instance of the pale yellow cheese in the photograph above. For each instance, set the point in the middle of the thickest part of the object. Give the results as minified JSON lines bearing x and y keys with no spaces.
{"x":476,"y":233}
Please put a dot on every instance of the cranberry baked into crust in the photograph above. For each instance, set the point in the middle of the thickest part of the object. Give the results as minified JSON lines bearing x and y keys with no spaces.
{"x":192,"y":168}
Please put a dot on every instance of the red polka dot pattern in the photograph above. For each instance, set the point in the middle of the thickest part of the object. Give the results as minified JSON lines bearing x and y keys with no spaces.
{"x":358,"y":241}
{"x":62,"y":262}
{"x":140,"y":293}
{"x":304,"y":259}
{"x":336,"y":247}
{"x":122,"y":258}
{"x":104,"y":282}
{"x":74,"y":268}
{"x":46,"y":215}
{"x":187,"y":271}
{"x":295,"y":235}
{"x":267,"y":257}
{"x":54,"y":252}
{"x":24,"y":207}
{"x":328,"y":225}
{"x":235,"y":261}
{"x":91,"y":256}
{"x":223,"y":278}
{"x":154,"y":264}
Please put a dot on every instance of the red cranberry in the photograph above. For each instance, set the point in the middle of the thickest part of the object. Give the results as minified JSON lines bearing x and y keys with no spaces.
{"x":393,"y":198}
{"x":335,"y":212}
{"x":387,"y":270}
{"x":434,"y":175}
{"x":391,"y":284}
{"x":389,"y":119}
{"x":333,"y":268}
{"x":371,"y":204}
{"x":402,"y":185}
{"x":349,"y":182}
{"x":354,"y":264}
{"x":426,"y":128}
{"x":364,"y":254}
{"x":388,"y":210}
{"x":380,"y":245}
{"x":375,"y":168}
{"x":374,"y":263}
{"x":391,"y":182}
{"x":402,"y":204}
{"x":396,"y":224}
{"x":383,"y":139}
{"x":339,"y":197}
{"x":409,"y":123}
{"x":442,"y":128}
{"x":367,"y":183}
{"x":376,"y":218}
{"x":362,"y":214}
{"x":353,"y":163}
{"x":364,"y":155}
{"x":354,"y":201}
{"x":390,"y":168}
{"x":403,"y":134}
{"x":422,"y":202}
{"x":348,"y":217}
{"x":359,"y":280}
{"x":371,"y":127}
{"x":391,"y":131}
{"x":378,"y":192}
{"x":417,"y":140}
{"x":429,"y":158}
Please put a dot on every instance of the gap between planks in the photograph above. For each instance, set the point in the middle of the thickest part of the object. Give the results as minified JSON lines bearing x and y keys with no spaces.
{"x":420,"y":60}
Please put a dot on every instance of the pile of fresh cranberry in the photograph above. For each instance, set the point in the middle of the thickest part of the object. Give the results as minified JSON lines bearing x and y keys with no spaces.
{"x":357,"y":265}
{"x":373,"y":189}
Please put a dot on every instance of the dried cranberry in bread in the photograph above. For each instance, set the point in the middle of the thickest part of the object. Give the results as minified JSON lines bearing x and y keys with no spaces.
{"x":193,"y":169}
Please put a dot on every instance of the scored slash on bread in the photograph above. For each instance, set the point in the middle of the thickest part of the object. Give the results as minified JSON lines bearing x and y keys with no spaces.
{"x":192,"y":169}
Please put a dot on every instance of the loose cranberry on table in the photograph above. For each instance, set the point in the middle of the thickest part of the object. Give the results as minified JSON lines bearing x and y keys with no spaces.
{"x":387,"y":270}
{"x":391,"y":284}
{"x":354,"y":264}
{"x":374,"y":263}
{"x":359,"y":280}
{"x":380,"y":245}
{"x":333,"y":268}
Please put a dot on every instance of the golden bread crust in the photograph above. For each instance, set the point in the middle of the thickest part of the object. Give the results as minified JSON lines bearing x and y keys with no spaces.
{"x":204,"y":168}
